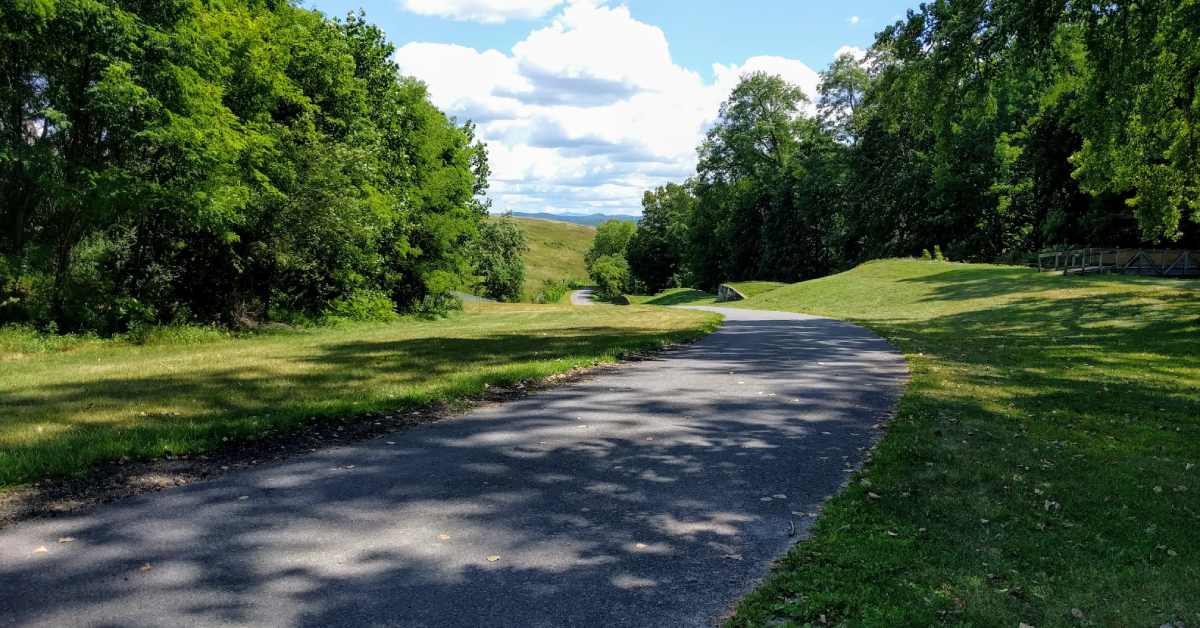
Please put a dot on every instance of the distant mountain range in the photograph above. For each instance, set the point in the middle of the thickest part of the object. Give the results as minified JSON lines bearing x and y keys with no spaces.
{"x":590,"y":220}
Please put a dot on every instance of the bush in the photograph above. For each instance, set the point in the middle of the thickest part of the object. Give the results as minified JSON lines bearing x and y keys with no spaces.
{"x":552,"y":291}
{"x":925,"y":255}
{"x":610,"y":273}
{"x":363,"y":305}
{"x":937,"y":253}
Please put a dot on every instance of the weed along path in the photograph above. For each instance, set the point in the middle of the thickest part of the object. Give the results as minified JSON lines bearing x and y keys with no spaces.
{"x":653,"y":494}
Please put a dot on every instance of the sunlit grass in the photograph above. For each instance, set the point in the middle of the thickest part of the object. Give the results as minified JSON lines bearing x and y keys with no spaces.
{"x":1044,"y":467}
{"x":63,"y":411}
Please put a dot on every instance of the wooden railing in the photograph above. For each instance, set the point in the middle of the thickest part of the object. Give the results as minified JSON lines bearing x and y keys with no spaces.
{"x":1164,"y":262}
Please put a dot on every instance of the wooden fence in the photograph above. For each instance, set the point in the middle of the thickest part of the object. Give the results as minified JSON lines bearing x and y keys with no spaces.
{"x":1162,"y":262}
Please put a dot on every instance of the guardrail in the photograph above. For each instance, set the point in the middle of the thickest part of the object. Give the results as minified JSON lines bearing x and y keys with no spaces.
{"x":1162,"y":262}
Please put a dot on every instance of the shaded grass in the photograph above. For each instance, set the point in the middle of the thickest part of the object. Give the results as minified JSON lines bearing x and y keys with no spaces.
{"x":63,"y":412}
{"x":556,"y":252}
{"x":675,"y":296}
{"x":1044,"y":466}
{"x":755,"y":288}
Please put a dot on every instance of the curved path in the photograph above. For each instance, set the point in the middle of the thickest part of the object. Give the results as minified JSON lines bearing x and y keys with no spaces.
{"x":654,"y":494}
{"x":582,"y":297}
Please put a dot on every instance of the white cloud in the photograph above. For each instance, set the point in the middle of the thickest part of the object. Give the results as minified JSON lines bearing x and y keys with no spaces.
{"x":586,"y":113}
{"x":854,"y":51}
{"x":854,"y":20}
{"x":486,"y":11}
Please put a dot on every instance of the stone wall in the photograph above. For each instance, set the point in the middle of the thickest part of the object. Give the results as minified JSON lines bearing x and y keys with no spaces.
{"x":728,"y":293}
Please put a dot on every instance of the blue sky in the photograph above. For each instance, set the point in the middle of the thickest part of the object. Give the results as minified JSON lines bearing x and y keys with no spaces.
{"x":584,"y":104}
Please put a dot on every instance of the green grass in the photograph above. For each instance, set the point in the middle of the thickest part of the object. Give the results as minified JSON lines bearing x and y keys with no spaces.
{"x":1044,"y":466}
{"x":67,"y":408}
{"x":556,"y":251}
{"x":675,"y":296}
{"x":754,"y":288}
{"x":691,"y":296}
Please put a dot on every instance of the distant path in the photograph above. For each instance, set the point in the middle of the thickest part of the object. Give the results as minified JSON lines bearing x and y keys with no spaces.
{"x":654,"y":494}
{"x":582,"y":297}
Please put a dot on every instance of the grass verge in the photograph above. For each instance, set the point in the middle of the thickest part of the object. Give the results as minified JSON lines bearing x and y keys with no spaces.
{"x":1044,"y":466}
{"x":66,"y":410}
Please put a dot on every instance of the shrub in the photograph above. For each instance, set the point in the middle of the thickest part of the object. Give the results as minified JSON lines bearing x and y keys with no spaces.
{"x":553,"y":291}
{"x":925,"y":255}
{"x":363,"y":305}
{"x":610,"y":273}
{"x":937,"y":253}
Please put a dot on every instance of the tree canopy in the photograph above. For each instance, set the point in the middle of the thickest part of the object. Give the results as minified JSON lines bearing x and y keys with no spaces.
{"x":222,"y":162}
{"x":990,"y":130}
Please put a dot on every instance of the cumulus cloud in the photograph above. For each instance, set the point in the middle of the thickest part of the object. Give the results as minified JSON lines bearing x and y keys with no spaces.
{"x":853,"y":51}
{"x":854,"y":20}
{"x":486,"y":11}
{"x":587,"y":112}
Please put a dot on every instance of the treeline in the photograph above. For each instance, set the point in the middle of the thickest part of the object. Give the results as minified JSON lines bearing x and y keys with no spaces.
{"x":990,"y":129}
{"x":225,"y":162}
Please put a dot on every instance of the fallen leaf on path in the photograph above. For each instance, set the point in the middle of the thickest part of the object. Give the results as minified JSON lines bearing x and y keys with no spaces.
{"x":493,"y":558}
{"x":147,"y":567}
{"x":443,"y":537}
{"x":41,"y":550}
{"x":640,"y":545}
{"x":67,"y":539}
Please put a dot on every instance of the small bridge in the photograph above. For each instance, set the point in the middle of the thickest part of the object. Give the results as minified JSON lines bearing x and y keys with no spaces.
{"x":1160,"y":262}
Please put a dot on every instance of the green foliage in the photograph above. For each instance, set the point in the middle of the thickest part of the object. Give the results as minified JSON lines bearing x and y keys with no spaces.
{"x":223,"y":163}
{"x":937,"y":253}
{"x":610,"y":273}
{"x":658,"y":249}
{"x":498,"y":259}
{"x":363,"y":305}
{"x":925,"y":255}
{"x":612,"y":238}
{"x":995,"y":129}
{"x":553,"y":291}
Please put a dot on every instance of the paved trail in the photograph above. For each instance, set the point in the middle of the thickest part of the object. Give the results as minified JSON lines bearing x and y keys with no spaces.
{"x":582,"y":297}
{"x":654,"y":494}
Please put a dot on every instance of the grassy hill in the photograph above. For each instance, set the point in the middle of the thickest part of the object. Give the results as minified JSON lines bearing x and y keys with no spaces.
{"x":556,"y":251}
{"x":1044,"y":467}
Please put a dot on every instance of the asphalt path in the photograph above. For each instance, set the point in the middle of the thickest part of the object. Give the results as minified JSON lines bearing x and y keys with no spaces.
{"x":654,"y":494}
{"x":582,"y":297}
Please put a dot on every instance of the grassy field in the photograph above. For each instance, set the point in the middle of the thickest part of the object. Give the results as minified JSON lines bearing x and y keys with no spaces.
{"x":556,"y":251}
{"x":754,"y":288}
{"x":67,"y":405}
{"x":1044,"y":468}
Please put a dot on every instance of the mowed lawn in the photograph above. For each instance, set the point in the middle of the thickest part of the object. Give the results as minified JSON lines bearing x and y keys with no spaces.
{"x":556,"y":252}
{"x":1044,"y":467}
{"x":691,"y":296}
{"x":67,"y":408}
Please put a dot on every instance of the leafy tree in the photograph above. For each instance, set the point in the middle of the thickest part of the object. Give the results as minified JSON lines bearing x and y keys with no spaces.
{"x":498,"y":259}
{"x":610,"y":273}
{"x":658,"y":249}
{"x":221,"y":162}
{"x":612,"y":238}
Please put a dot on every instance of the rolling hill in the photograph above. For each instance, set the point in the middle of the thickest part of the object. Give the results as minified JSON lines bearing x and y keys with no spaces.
{"x":556,"y":251}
